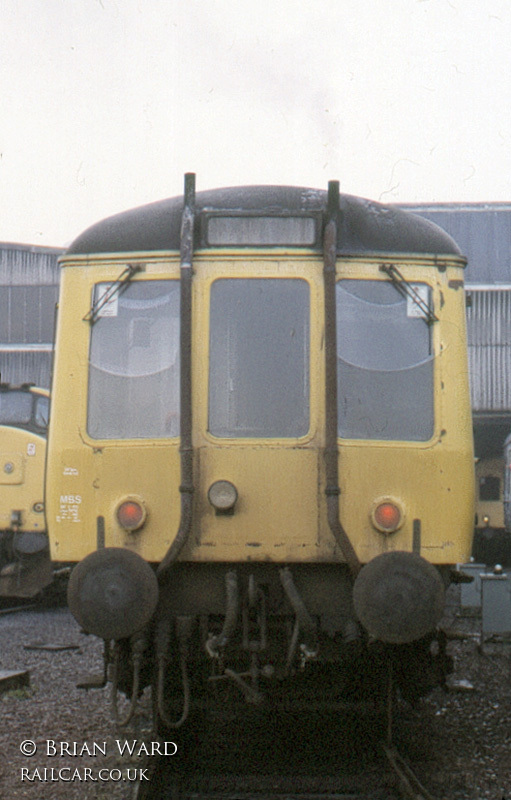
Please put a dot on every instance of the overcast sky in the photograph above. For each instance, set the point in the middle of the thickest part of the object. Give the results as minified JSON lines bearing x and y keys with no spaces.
{"x":104,"y":104}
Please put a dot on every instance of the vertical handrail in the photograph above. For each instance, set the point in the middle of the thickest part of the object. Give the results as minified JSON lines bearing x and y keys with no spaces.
{"x":332,"y":490}
{"x":186,"y":487}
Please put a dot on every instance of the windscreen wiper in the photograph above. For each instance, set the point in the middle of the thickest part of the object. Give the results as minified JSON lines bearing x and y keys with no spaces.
{"x":407,"y":290}
{"x":115,"y":288}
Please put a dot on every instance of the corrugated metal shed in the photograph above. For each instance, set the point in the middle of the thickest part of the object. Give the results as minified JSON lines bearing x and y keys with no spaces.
{"x":25,"y":264}
{"x":489,"y":348}
{"x":482,"y":231}
{"x":29,"y":278}
{"x":26,"y":366}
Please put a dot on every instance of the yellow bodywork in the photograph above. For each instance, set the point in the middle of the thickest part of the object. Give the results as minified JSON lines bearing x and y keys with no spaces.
{"x":22,"y":461}
{"x":280,"y":514}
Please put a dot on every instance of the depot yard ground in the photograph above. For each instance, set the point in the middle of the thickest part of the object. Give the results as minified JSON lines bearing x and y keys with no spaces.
{"x":458,"y":742}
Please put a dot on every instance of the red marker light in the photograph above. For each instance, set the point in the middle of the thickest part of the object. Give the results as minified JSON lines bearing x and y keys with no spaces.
{"x":387,"y":517}
{"x":131,"y":515}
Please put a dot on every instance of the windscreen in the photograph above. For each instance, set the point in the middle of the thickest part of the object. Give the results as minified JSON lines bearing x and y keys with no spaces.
{"x":134,"y":363}
{"x":15,"y":408}
{"x":385,"y":363}
{"x":259,"y":358}
{"x":42,"y":411}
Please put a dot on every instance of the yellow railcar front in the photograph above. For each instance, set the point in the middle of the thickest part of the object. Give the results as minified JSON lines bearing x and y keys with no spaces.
{"x":258,"y":483}
{"x":279,"y":513}
{"x":25,"y":566}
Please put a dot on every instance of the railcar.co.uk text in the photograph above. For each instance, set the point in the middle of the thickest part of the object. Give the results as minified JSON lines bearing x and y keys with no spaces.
{"x":55,"y":749}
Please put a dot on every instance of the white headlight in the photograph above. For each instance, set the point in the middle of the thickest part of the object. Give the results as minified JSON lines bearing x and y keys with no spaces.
{"x":222,"y":495}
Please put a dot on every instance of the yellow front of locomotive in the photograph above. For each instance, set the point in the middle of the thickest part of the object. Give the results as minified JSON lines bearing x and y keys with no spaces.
{"x":232,"y":507}
{"x":25,"y":566}
{"x":405,"y":438}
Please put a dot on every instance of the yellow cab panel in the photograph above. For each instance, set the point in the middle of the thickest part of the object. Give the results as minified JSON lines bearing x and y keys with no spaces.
{"x":279,"y":514}
{"x":22,"y":457}
{"x":24,"y":552}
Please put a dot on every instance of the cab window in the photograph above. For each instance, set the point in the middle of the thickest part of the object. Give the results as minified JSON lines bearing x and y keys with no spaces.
{"x":41,"y":412}
{"x":259,"y":358}
{"x":15,"y":408}
{"x":134,"y":363}
{"x":489,"y":488}
{"x":385,"y":363}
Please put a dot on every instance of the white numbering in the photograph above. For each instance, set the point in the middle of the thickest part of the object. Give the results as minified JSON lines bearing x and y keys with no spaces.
{"x":69,"y":508}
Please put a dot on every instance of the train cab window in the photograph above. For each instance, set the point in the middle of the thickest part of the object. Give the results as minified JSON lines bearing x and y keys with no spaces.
{"x":489,"y":488}
{"x":41,"y":412}
{"x":15,"y":408}
{"x":134,"y":363}
{"x":385,"y":363}
{"x":259,"y":358}
{"x":235,"y":230}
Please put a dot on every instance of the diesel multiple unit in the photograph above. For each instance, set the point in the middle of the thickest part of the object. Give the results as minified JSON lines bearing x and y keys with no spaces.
{"x":260,"y":451}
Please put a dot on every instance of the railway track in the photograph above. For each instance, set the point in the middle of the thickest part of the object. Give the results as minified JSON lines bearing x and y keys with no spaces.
{"x":280,"y":762}
{"x":13,"y":609}
{"x":164,"y":784}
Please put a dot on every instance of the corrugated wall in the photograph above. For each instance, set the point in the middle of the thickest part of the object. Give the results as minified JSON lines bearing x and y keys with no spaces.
{"x":26,"y":367}
{"x":27,"y":265}
{"x":489,"y":348}
{"x":29,"y":277}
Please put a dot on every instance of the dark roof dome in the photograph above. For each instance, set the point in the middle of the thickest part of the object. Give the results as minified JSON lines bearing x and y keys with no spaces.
{"x":363,"y":226}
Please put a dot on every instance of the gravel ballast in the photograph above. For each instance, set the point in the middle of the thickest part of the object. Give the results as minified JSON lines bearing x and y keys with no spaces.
{"x":459,"y":742}
{"x":53,"y":711}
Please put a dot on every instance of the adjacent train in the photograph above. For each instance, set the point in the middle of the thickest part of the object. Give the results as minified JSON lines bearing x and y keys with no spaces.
{"x":25,"y":566}
{"x":507,"y":484}
{"x":260,"y":449}
{"x":492,"y":539}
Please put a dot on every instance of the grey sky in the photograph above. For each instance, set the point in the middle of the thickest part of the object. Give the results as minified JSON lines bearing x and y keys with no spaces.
{"x":106,"y":103}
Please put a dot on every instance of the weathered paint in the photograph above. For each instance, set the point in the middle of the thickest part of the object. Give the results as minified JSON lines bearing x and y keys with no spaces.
{"x":280,"y":515}
{"x":23,"y":486}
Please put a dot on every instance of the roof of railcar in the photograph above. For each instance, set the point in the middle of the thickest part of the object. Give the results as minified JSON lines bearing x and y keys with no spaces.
{"x":363,"y":226}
